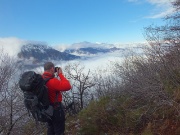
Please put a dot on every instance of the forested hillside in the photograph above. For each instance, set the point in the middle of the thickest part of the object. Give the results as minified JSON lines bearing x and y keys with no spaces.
{"x":140,"y":96}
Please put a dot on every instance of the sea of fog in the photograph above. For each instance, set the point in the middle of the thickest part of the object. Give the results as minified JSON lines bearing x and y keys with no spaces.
{"x":100,"y":62}
{"x":13,"y":45}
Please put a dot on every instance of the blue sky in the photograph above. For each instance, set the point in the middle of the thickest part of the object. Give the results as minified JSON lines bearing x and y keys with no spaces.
{"x":72,"y":21}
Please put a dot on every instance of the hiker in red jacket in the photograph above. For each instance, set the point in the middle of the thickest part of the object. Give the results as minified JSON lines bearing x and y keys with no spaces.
{"x":55,"y":86}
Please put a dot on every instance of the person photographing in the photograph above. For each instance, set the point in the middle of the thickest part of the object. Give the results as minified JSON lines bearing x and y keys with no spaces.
{"x":55,"y":86}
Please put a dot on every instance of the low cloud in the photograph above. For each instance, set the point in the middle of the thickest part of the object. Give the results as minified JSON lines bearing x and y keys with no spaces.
{"x":11,"y":45}
{"x":61,"y":47}
{"x":100,"y":62}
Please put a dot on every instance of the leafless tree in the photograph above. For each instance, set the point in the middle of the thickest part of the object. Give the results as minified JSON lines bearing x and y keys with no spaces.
{"x":107,"y":83}
{"x":81,"y":81}
{"x":14,"y":118}
{"x":10,"y":100}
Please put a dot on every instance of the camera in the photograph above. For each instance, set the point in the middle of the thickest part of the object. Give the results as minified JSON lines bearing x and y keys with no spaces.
{"x":56,"y":69}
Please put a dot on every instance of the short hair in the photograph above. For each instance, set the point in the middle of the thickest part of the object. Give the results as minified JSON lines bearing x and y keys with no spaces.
{"x":48,"y":66}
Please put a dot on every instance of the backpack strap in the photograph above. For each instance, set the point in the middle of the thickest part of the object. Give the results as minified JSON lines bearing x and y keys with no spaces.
{"x":56,"y":100}
{"x":47,"y":79}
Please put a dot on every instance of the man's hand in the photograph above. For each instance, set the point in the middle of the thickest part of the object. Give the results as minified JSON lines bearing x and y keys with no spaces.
{"x":59,"y":70}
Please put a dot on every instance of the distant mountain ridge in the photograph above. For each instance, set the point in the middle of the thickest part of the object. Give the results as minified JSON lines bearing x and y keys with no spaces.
{"x":91,"y":50}
{"x":87,"y":48}
{"x":40,"y":53}
{"x":34,"y":54}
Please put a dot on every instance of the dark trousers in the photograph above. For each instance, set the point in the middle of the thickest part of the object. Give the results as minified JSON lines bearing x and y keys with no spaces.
{"x":57,"y":125}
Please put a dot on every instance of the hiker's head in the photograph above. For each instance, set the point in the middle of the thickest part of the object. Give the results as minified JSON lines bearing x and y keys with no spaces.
{"x":49,"y":67}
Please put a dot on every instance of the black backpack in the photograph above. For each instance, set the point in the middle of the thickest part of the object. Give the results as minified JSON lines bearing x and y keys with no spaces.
{"x":36,"y":96}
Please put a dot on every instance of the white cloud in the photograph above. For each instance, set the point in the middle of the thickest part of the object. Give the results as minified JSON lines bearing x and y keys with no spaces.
{"x":160,"y":1}
{"x":11,"y":45}
{"x":61,"y":47}
{"x":161,"y":9}
{"x":161,"y":14}
{"x":100,"y":62}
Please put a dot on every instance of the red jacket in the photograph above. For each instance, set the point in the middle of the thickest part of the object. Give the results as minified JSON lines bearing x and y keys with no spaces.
{"x":54,"y":85}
